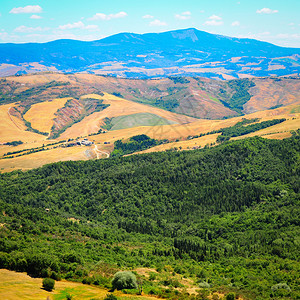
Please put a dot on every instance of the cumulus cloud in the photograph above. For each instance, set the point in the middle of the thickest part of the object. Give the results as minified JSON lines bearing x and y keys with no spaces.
{"x":148,"y":17}
{"x":71,"y":26}
{"x":235,"y":23}
{"x":184,"y":16}
{"x":23,"y":29}
{"x":157,"y":23}
{"x":266,"y":10}
{"x":77,"y":25}
{"x":214,"y":21}
{"x":104,"y":17}
{"x":36,"y":17}
{"x":29,"y":9}
{"x":294,"y":36}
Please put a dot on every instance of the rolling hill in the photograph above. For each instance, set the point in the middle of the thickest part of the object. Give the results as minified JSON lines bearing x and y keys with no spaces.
{"x":181,"y":52}
{"x":41,"y":112}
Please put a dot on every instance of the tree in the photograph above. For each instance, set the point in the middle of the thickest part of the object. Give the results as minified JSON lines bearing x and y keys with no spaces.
{"x":124,"y":280}
{"x":48,"y":284}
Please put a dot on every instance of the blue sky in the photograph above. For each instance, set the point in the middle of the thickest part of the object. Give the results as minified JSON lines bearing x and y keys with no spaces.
{"x":275,"y":21}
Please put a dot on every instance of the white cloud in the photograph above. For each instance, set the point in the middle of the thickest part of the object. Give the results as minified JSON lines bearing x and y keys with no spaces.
{"x":104,"y":17}
{"x":157,"y":23}
{"x":294,"y":36}
{"x":23,"y":29}
{"x":71,"y":26}
{"x":235,"y":23}
{"x":184,"y":16}
{"x":78,"y":25}
{"x":148,"y":17}
{"x":215,"y":18}
{"x":266,"y":11}
{"x":214,"y":21}
{"x":29,"y":9}
{"x":36,"y":17}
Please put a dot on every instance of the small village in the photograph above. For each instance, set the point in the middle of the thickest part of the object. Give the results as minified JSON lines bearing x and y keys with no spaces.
{"x":72,"y":143}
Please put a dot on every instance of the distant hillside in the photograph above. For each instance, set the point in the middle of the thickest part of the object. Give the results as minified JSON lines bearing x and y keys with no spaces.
{"x":186,"y":52}
{"x":192,"y":96}
{"x":39,"y":111}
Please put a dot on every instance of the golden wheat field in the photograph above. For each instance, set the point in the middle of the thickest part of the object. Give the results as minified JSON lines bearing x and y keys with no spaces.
{"x":39,"y":159}
{"x":184,"y":145}
{"x":13,"y":128}
{"x":41,"y":115}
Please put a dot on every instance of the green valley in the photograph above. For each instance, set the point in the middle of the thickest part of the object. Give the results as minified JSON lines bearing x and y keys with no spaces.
{"x":217,"y":220}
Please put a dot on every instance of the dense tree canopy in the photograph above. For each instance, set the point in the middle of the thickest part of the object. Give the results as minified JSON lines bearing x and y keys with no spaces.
{"x":228,"y":216}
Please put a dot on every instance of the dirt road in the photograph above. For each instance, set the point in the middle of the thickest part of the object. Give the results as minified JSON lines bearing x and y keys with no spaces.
{"x":99,"y":152}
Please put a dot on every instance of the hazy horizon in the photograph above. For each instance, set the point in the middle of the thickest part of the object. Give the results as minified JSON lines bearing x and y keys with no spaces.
{"x":26,"y":21}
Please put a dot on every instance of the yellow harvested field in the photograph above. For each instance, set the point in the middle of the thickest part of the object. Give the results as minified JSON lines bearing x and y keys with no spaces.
{"x":19,"y":286}
{"x":27,"y":145}
{"x":184,"y":145}
{"x":118,"y":107}
{"x":39,"y":159}
{"x":181,"y":131}
{"x":278,"y":136}
{"x":41,"y":115}
{"x":280,"y":130}
{"x":13,"y":128}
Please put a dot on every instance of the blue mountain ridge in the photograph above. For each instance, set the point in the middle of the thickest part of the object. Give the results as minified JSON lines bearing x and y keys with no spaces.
{"x":172,"y":49}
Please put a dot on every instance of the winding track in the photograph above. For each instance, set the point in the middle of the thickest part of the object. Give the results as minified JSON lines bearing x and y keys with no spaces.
{"x":9,"y":115}
{"x":98,"y":152}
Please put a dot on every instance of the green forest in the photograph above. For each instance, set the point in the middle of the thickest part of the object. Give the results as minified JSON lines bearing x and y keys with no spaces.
{"x":225,"y":217}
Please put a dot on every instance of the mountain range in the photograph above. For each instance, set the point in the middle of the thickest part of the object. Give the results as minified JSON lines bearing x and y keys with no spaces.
{"x":187,"y":52}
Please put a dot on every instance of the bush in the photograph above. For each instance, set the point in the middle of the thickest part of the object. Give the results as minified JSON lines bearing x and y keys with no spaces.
{"x":110,"y":297}
{"x":69,"y":297}
{"x":204,"y":285}
{"x":124,"y":280}
{"x":281,"y":290}
{"x":230,"y":296}
{"x":48,"y":284}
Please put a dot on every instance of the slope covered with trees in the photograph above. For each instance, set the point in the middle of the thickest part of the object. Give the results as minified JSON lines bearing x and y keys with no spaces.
{"x":227,"y":217}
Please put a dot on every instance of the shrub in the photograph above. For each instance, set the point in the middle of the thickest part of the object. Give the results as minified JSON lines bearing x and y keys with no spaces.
{"x":124,"y":280}
{"x":110,"y":297}
{"x":281,"y":290}
{"x":204,"y":285}
{"x":230,"y":296}
{"x":48,"y":284}
{"x":69,"y":297}
{"x":280,"y":286}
